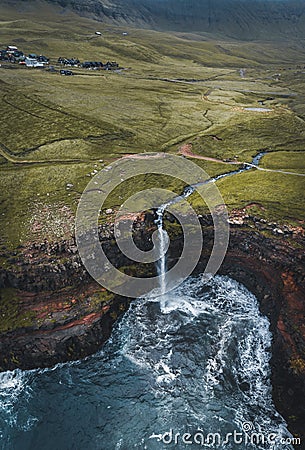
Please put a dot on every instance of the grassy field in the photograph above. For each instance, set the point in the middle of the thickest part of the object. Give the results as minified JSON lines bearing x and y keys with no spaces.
{"x":175,"y":89}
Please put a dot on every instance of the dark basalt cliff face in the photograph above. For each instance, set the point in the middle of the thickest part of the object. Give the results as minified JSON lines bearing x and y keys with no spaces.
{"x":241,"y":19}
{"x":61,"y":314}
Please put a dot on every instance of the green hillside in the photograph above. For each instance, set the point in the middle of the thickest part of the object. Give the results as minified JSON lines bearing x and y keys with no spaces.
{"x":171,"y":89}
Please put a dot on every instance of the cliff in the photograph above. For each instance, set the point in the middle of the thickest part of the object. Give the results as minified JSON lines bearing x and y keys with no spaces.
{"x":52,"y":311}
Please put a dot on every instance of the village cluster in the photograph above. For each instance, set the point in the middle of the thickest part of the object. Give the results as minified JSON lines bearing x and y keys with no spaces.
{"x":13,"y":55}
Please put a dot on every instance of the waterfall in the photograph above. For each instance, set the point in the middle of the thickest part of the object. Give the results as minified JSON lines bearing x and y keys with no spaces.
{"x":161,"y":266}
{"x":163,"y":237}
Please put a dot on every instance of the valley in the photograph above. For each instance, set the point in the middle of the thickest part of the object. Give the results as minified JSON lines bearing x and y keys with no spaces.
{"x":171,"y":91}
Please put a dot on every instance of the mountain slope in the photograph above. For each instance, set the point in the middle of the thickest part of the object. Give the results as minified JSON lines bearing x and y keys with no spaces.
{"x":236,"y":18}
{"x":243,"y":19}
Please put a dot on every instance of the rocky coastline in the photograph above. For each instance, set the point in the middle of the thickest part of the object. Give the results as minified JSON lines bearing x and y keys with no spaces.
{"x":52,"y":311}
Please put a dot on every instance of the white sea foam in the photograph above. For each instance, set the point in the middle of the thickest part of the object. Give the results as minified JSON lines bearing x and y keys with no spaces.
{"x":235,"y":352}
{"x":196,"y":357}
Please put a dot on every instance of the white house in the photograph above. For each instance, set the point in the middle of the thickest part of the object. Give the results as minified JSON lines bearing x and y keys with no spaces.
{"x":11,"y":49}
{"x":32,"y":62}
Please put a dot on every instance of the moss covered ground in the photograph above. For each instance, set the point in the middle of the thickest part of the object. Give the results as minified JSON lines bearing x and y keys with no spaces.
{"x":175,"y":89}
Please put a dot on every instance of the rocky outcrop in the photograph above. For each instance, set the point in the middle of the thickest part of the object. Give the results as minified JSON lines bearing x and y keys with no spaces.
{"x":52,"y":311}
{"x":65,"y":326}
